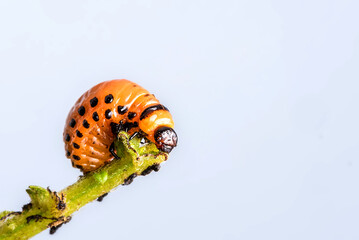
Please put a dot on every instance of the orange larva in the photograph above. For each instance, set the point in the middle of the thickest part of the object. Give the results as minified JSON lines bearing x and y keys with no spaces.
{"x":104,"y":110}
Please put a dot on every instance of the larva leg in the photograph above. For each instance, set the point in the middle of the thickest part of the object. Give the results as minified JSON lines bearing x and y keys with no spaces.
{"x":134,"y":135}
{"x":112,"y":150}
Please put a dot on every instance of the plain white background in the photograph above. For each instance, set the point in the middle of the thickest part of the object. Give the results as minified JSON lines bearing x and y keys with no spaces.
{"x":264,"y":95}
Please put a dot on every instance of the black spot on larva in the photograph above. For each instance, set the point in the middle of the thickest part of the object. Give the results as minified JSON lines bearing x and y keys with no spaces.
{"x":73,"y":164}
{"x":85,"y":124}
{"x":93,"y":102}
{"x":81,"y":110}
{"x":67,"y":137}
{"x":68,"y":154}
{"x":147,"y":95}
{"x":79,"y":134}
{"x":122,"y":109}
{"x":109,"y":98}
{"x":72,"y":123}
{"x":134,"y":85}
{"x":76,"y":145}
{"x":131,"y":115}
{"x":76,"y":157}
{"x":108,"y":114}
{"x":129,"y":180}
{"x":95,"y":116}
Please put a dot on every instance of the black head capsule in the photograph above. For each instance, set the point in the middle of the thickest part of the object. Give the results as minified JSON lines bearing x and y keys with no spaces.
{"x":166,"y":139}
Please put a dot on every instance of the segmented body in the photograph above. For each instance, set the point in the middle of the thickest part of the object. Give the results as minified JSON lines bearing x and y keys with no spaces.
{"x":88,"y":134}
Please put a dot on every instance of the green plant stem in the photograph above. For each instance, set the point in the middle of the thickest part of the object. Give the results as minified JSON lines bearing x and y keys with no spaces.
{"x":49,"y":209}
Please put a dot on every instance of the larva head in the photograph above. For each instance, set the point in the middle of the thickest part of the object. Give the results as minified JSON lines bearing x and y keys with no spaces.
{"x":166,"y":139}
{"x":157,"y":123}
